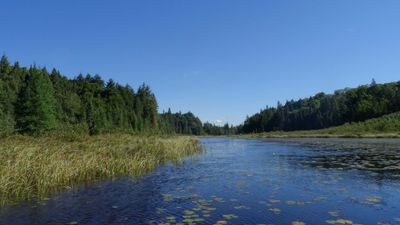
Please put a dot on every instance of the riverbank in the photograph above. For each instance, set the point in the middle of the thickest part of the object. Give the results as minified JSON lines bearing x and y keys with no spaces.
{"x":387,"y":126}
{"x":318,"y":134}
{"x":34,"y":167}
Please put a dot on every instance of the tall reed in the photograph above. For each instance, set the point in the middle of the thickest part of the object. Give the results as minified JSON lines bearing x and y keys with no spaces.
{"x":37,"y":166}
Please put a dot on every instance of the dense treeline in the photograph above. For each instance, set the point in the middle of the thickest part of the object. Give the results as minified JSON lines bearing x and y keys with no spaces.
{"x":384,"y":126}
{"x":178,"y":123}
{"x":34,"y":101}
{"x":188,"y":123}
{"x":226,"y":129}
{"x":326,"y":110}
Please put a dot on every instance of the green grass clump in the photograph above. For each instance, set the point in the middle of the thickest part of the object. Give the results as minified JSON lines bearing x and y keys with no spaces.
{"x":34,"y":167}
{"x":385,"y":126}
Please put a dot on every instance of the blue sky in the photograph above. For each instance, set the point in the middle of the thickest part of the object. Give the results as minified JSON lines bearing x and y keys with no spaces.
{"x":220,"y":59}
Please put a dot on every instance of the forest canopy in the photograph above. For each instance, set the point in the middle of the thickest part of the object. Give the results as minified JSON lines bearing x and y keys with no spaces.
{"x":35,"y":101}
{"x":327,"y":110}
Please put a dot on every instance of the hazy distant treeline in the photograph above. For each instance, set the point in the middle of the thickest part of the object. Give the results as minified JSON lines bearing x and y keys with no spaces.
{"x":188,"y":123}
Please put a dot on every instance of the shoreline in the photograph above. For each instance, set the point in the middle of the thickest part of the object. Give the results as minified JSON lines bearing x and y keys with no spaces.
{"x":36,"y":167}
{"x":321,"y":136}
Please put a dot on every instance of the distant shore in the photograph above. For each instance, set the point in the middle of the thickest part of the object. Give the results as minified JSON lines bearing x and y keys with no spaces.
{"x":312,"y":134}
{"x":308,"y":134}
{"x":387,"y":126}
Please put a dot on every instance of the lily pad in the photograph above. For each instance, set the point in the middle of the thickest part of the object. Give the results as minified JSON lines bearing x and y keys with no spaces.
{"x":333,"y":213}
{"x":290,"y":202}
{"x":339,"y":221}
{"x":230,"y":216}
{"x":373,"y":200}
{"x":188,"y":212}
{"x":275,"y":210}
{"x":298,"y":222}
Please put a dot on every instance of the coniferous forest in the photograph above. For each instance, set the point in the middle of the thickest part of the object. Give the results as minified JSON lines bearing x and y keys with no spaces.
{"x":327,"y":110}
{"x":188,"y":123}
{"x":34,"y":100}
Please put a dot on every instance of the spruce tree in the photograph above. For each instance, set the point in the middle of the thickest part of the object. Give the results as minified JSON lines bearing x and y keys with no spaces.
{"x":37,"y":112}
{"x":9,"y":88}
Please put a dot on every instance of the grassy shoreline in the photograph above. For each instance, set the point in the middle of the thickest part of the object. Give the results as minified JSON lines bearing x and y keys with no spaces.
{"x":387,"y":126}
{"x":305,"y":134}
{"x":34,"y":167}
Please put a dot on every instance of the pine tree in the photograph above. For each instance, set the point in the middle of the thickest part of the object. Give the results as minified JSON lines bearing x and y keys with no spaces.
{"x":150,"y":107}
{"x":6,"y":97}
{"x":373,"y":83}
{"x":6,"y":118}
{"x":4,"y":67}
{"x":37,"y":104}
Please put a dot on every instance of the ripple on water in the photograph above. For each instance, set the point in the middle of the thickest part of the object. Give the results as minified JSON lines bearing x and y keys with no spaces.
{"x":239,"y":181}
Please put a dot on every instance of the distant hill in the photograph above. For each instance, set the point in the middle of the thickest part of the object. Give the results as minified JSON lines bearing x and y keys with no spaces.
{"x":327,"y":110}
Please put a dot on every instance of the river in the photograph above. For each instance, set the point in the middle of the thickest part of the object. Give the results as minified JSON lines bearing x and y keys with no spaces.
{"x":241,"y":181}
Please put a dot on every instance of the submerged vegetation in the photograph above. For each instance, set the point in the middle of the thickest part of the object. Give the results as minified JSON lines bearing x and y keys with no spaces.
{"x":385,"y":126}
{"x":35,"y":167}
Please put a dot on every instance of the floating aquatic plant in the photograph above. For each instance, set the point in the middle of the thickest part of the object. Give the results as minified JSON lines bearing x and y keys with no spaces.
{"x":341,"y":221}
{"x":333,"y":213}
{"x":298,"y":222}
{"x":230,"y":216}
{"x":372,"y":200}
{"x":275,"y":210}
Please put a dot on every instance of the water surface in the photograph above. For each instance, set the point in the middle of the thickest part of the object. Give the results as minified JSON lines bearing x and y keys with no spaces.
{"x":242,"y":181}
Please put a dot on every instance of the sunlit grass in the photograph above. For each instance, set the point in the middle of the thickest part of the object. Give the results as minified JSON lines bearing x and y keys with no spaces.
{"x":33,"y":167}
{"x":385,"y":126}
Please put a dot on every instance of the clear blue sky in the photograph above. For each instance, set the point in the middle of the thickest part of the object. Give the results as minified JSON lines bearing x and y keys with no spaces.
{"x":220,"y":59}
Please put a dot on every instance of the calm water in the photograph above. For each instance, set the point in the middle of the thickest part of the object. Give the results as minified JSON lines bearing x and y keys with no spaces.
{"x":238,"y":181}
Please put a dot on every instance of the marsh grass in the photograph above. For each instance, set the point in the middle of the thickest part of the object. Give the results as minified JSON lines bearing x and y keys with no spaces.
{"x":34,"y":167}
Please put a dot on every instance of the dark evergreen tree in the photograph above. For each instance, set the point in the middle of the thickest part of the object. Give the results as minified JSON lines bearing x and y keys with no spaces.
{"x":37,"y":112}
{"x":148,"y":107}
